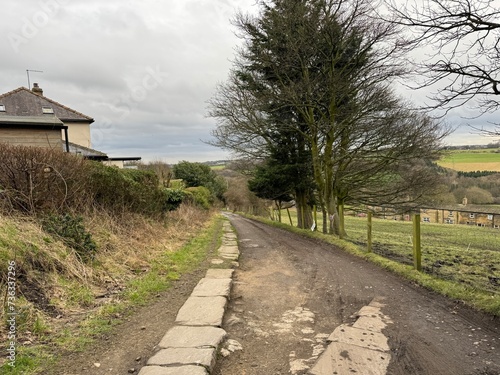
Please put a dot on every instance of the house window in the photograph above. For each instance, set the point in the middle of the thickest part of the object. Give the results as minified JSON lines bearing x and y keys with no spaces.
{"x":490,"y":217}
{"x":427,"y":219}
{"x":449,"y":221}
{"x":2,"y":108}
{"x":49,"y":110}
{"x":450,"y":214}
{"x":472,"y":216}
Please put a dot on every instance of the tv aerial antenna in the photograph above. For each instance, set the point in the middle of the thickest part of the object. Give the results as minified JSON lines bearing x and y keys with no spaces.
{"x":28,"y":74}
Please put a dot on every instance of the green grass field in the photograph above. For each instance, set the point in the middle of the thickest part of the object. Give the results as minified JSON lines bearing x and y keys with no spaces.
{"x":217,"y":167}
{"x":464,"y":254}
{"x":472,"y":160}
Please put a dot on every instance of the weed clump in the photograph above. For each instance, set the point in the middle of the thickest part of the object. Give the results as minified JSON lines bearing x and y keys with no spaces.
{"x":70,"y":230}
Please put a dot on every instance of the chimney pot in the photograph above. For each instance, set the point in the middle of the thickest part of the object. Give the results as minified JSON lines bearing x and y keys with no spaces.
{"x":37,"y":89}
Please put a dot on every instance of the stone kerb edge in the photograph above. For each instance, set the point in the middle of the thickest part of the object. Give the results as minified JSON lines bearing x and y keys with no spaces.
{"x":190,"y":347}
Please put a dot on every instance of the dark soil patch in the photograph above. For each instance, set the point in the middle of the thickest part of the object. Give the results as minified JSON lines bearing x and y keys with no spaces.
{"x":34,"y":293}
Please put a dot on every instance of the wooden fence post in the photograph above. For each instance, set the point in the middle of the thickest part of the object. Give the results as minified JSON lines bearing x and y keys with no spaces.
{"x":417,"y":250}
{"x":370,"y":227}
{"x":341,"y":221}
{"x":289,"y":217}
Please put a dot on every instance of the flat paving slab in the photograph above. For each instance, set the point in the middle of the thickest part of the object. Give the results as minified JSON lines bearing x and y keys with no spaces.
{"x":229,"y":249}
{"x":184,"y":356}
{"x":212,"y":287}
{"x":181,"y":370}
{"x":359,"y":337}
{"x":370,"y":324}
{"x":202,"y":311}
{"x":362,"y":348}
{"x":192,"y":337}
{"x":231,"y":253}
{"x":371,"y":318}
{"x":341,"y":358}
{"x":370,"y":311}
{"x":230,"y":256}
{"x":219,"y":273}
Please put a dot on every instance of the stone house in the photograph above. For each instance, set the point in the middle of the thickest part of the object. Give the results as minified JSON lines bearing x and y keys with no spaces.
{"x":460,"y":214}
{"x":28,"y":117}
{"x":25,"y":109}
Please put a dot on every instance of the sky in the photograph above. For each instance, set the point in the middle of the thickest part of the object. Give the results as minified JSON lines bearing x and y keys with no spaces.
{"x":144,"y":70}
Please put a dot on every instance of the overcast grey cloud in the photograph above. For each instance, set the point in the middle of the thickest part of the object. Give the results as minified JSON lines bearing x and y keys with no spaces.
{"x":142,"y":69}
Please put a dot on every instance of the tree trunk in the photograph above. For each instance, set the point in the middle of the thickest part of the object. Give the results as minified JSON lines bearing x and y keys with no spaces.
{"x":328,"y":188}
{"x":304,"y":211}
{"x":341,"y":230}
{"x":325,"y":220}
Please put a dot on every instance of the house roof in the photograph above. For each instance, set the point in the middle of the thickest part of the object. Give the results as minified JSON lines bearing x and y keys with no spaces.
{"x":87,"y":152}
{"x":469,"y":208}
{"x":24,"y":102}
{"x":32,"y":122}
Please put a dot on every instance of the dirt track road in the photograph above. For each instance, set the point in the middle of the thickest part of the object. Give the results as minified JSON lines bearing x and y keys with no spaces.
{"x":290,"y":293}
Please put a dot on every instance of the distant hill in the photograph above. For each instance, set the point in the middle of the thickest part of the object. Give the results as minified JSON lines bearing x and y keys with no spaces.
{"x":216,"y":162}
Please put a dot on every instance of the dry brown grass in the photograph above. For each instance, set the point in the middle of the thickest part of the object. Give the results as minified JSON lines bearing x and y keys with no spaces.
{"x":129,"y":243}
{"x":68,"y":289}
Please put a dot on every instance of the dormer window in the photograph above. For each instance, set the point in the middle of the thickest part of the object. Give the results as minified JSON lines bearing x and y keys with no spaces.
{"x":48,"y":110}
{"x":2,"y":108}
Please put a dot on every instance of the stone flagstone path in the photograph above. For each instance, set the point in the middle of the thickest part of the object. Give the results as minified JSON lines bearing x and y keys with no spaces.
{"x":190,"y":347}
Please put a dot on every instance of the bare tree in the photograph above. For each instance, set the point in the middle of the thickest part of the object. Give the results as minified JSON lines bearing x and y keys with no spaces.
{"x":322,"y":70}
{"x":462,"y":39}
{"x":162,"y":170}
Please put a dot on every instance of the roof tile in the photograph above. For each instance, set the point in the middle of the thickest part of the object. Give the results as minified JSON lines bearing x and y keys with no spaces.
{"x":23,"y":102}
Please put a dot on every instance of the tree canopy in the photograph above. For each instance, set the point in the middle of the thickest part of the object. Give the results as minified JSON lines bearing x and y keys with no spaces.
{"x":319,"y":73}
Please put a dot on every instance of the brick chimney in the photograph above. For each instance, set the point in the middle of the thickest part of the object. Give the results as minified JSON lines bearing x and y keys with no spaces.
{"x":37,"y":89}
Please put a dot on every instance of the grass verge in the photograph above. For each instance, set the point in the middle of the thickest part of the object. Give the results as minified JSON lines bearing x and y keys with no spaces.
{"x":51,"y":340}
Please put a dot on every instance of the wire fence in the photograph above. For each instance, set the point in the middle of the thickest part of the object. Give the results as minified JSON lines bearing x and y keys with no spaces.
{"x":467,"y":254}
